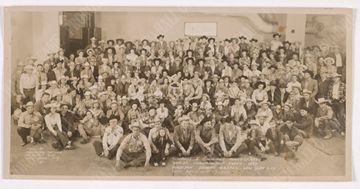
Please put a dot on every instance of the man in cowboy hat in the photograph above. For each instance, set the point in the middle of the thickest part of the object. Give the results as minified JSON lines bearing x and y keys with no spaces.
{"x":30,"y":125}
{"x":307,"y":102}
{"x":291,"y":138}
{"x":206,"y":138}
{"x":337,"y":90}
{"x":134,"y":150}
{"x":233,"y":140}
{"x":325,"y":121}
{"x":28,"y":83}
{"x":184,"y":137}
{"x":110,"y":142}
{"x":305,"y":122}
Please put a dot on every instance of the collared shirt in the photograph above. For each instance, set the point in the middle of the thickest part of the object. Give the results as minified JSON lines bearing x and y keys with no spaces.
{"x":135,"y":144}
{"x":112,"y":135}
{"x":28,"y":81}
{"x":53,"y":120}
{"x":26,"y":119}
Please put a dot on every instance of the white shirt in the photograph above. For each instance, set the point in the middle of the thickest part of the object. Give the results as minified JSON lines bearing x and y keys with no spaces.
{"x":335,"y":91}
{"x":338,"y":60}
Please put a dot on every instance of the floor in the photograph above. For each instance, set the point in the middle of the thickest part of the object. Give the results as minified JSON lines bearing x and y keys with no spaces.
{"x":316,"y":157}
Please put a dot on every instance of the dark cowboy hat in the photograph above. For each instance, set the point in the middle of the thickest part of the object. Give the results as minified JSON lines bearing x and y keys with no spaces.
{"x":188,"y":59}
{"x":110,"y":40}
{"x":310,"y":72}
{"x":157,"y":59}
{"x":65,"y":104}
{"x":128,"y":42}
{"x":245,"y":77}
{"x":253,"y":39}
{"x":143,"y":50}
{"x":80,"y":50}
{"x":160,"y":36}
{"x":286,"y":42}
{"x":112,"y":117}
{"x":205,"y":120}
{"x":242,"y":37}
{"x":276,"y":34}
{"x":112,"y":48}
{"x":119,"y":39}
{"x":211,"y":38}
{"x":260,"y":83}
{"x":228,"y":40}
{"x":283,"y":48}
{"x":145,"y":40}
{"x":203,"y":37}
{"x":189,"y":50}
{"x":132,"y":102}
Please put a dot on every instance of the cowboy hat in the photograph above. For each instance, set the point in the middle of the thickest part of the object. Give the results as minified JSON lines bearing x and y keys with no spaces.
{"x":242,"y":37}
{"x":30,"y":103}
{"x":134,"y":124}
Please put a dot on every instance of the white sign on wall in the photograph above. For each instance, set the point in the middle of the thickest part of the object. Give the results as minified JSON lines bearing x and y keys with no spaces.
{"x":200,"y":28}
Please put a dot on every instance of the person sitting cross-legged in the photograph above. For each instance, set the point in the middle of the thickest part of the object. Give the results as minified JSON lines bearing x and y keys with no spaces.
{"x":110,"y":141}
{"x":206,"y":138}
{"x":134,"y":150}
{"x":30,"y":125}
{"x":184,"y":137}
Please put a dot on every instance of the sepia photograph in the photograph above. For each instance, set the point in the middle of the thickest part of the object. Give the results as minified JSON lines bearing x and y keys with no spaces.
{"x":178,"y":93}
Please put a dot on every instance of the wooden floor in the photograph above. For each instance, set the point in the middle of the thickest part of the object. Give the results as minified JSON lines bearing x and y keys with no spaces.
{"x":316,"y":157}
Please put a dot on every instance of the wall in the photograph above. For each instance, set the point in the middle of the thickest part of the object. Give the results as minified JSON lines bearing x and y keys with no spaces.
{"x":34,"y":34}
{"x":46,"y":34}
{"x":21,"y":37}
{"x":328,"y":29}
{"x":148,"y":25}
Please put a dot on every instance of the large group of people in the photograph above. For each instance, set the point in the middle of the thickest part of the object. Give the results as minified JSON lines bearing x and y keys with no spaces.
{"x":142,"y":102}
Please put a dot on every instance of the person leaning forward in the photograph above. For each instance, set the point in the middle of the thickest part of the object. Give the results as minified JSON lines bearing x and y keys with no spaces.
{"x":134,"y":150}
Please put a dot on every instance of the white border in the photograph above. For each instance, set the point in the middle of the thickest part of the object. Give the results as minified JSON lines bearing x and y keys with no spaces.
{"x":194,"y":184}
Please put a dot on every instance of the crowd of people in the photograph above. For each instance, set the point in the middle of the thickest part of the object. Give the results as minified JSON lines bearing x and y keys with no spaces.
{"x":142,"y":102}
